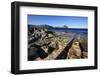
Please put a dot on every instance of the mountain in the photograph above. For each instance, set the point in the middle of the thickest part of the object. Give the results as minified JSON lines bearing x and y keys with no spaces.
{"x":41,"y":26}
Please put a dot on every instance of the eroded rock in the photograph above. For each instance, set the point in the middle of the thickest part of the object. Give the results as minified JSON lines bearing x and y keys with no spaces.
{"x":74,"y":52}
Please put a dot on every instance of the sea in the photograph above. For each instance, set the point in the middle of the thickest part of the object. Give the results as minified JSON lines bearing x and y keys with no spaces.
{"x":76,"y":31}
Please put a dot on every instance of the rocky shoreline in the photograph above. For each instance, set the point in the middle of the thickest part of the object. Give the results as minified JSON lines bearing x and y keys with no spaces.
{"x":44,"y":44}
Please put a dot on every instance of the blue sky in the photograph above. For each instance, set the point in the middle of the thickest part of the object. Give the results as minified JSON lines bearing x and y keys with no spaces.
{"x":59,"y":21}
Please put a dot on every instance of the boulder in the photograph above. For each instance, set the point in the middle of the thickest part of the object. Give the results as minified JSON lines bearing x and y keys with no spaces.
{"x":74,"y":52}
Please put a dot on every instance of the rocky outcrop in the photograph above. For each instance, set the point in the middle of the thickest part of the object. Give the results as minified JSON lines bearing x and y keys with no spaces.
{"x":44,"y":44}
{"x":58,"y":44}
{"x":75,"y":51}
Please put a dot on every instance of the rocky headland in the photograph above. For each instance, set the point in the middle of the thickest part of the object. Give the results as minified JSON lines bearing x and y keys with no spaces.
{"x":44,"y":44}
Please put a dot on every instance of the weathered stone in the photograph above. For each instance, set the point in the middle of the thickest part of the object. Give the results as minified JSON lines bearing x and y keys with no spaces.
{"x":74,"y":52}
{"x":44,"y":44}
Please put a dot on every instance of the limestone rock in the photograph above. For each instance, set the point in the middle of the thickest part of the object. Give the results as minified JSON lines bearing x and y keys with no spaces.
{"x":74,"y":51}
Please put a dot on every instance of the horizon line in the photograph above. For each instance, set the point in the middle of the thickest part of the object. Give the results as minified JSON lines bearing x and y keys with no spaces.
{"x":58,"y":26}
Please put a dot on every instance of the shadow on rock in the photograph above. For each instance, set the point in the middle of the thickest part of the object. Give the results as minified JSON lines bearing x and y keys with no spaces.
{"x":36,"y":51}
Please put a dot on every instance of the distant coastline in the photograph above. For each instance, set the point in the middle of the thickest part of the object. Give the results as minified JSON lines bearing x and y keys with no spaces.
{"x":51,"y":27}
